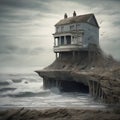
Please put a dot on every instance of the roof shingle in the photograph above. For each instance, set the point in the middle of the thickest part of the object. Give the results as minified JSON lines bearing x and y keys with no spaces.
{"x":75,"y":19}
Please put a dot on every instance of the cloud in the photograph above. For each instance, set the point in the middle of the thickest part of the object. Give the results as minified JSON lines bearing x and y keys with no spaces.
{"x":24,"y":4}
{"x":22,"y":45}
{"x":26,"y":27}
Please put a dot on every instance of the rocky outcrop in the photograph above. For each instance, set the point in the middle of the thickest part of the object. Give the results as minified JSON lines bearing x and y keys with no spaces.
{"x":101,"y":73}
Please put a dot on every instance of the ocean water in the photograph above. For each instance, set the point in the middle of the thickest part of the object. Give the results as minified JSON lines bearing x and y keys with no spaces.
{"x":25,"y":89}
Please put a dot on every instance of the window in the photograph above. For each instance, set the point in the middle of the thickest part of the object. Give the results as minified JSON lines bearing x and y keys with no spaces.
{"x":62,"y":40}
{"x":78,"y":26}
{"x":57,"y":29}
{"x":62,"y":28}
{"x":68,"y":39}
{"x":72,"y":27}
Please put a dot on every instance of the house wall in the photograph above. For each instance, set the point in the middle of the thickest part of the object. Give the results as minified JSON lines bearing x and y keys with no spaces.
{"x":91,"y":33}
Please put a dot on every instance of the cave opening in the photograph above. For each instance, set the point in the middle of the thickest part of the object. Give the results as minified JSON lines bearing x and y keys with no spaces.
{"x":66,"y":86}
{"x":73,"y":86}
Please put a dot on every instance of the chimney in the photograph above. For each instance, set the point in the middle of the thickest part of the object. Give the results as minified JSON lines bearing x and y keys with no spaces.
{"x":74,"y":14}
{"x":65,"y":16}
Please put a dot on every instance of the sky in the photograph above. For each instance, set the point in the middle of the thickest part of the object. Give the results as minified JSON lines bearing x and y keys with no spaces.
{"x":26,"y":28}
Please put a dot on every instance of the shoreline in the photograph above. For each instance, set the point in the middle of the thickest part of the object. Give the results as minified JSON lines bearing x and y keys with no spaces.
{"x":59,"y":114}
{"x":100,"y":106}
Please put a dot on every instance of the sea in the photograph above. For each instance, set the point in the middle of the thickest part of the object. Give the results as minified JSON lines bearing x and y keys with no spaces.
{"x":24,"y":88}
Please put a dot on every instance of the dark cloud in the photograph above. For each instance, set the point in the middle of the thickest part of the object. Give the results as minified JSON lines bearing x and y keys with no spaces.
{"x":24,"y":4}
{"x":12,"y":45}
{"x":23,"y":11}
{"x":26,"y":27}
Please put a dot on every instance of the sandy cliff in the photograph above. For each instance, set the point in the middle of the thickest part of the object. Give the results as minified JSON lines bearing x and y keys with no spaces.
{"x":94,"y":69}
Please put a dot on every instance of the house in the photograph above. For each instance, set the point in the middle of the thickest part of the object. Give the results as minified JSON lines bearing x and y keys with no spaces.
{"x":76,"y":33}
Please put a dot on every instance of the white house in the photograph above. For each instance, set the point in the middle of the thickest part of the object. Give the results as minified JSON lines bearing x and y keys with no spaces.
{"x":76,"y":33}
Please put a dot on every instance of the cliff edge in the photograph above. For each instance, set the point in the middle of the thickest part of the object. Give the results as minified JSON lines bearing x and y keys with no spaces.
{"x":101,"y":73}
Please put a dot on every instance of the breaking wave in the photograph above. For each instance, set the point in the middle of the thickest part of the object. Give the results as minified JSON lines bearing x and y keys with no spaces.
{"x":27,"y":90}
{"x":17,"y":80}
{"x":3,"y":83}
{"x":7,"y":89}
{"x":28,"y":94}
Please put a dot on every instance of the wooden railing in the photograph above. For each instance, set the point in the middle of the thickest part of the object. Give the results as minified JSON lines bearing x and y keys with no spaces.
{"x":71,"y":47}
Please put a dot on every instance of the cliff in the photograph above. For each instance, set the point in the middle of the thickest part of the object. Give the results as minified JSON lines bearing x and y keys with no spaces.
{"x":93,"y":69}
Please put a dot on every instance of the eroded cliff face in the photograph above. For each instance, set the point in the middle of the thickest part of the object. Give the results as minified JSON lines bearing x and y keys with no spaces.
{"x":101,"y":73}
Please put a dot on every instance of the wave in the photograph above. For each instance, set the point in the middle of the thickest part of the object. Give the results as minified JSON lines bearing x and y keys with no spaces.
{"x":4,"y":83}
{"x":25,"y":79}
{"x":17,"y":80}
{"x":22,"y":80}
{"x":7,"y":89}
{"x":28,"y":94}
{"x":55,"y":90}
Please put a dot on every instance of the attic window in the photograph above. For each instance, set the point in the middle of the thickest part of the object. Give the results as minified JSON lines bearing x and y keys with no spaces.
{"x":57,"y":29}
{"x":62,"y":28}
{"x":78,"y":26}
{"x":72,"y":27}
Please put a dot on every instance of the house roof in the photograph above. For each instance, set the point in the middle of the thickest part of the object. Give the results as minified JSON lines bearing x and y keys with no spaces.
{"x":77,"y":19}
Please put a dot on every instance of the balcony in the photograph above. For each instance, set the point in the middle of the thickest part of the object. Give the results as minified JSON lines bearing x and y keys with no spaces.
{"x":67,"y":48}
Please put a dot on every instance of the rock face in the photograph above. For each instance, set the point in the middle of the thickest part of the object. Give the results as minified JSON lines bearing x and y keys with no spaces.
{"x":90,"y":69}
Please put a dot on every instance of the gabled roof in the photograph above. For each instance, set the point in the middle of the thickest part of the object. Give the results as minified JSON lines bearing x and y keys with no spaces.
{"x":77,"y":19}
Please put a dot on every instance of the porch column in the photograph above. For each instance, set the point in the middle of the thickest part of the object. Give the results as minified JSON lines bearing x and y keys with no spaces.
{"x":59,"y":41}
{"x":54,"y":41}
{"x":72,"y":39}
{"x":65,"y":40}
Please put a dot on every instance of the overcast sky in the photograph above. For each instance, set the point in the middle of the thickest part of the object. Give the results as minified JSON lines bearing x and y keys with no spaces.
{"x":26,"y":28}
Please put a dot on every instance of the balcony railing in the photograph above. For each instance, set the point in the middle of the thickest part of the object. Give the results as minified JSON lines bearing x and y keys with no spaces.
{"x":66,"y":48}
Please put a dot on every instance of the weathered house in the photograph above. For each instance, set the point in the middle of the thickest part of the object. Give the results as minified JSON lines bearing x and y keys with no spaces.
{"x":80,"y":64}
{"x":76,"y":33}
{"x":75,"y":41}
